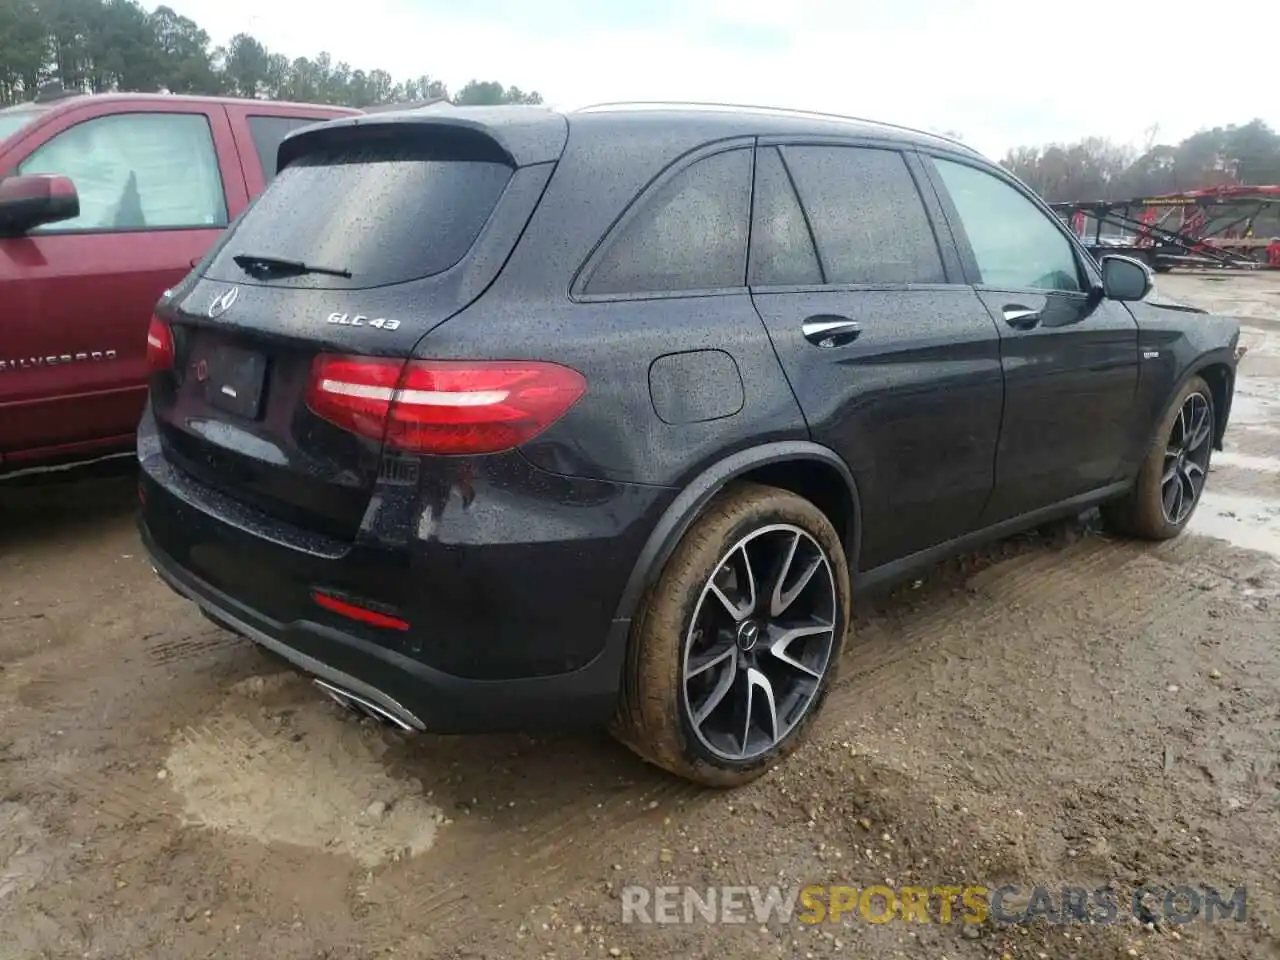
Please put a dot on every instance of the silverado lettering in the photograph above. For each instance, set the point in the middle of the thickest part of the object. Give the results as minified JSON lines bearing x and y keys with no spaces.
{"x":33,"y":363}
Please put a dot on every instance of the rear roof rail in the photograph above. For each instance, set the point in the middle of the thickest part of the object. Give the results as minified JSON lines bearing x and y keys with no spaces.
{"x":713,"y":107}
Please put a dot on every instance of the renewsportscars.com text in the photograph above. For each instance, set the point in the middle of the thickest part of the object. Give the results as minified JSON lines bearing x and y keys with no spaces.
{"x":943,"y":903}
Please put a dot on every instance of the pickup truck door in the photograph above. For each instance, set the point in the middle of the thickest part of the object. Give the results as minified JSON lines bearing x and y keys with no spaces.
{"x":157,"y":183}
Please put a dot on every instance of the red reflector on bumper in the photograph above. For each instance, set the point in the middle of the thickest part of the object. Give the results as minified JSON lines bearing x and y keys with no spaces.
{"x":351,"y":611}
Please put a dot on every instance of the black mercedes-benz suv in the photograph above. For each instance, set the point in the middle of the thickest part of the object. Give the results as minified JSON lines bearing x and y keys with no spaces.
{"x":499,"y":418}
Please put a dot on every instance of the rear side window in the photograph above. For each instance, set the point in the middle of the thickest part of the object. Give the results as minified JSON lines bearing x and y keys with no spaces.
{"x":387,"y":213}
{"x":267,"y":132}
{"x":782,"y":252}
{"x":691,"y":234}
{"x":867,"y":216}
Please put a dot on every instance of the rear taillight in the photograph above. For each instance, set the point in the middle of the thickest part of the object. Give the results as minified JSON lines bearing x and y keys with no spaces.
{"x":443,"y":406}
{"x":159,"y":346}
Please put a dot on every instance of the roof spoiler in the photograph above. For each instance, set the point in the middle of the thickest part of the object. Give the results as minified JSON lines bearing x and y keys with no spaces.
{"x":516,"y":135}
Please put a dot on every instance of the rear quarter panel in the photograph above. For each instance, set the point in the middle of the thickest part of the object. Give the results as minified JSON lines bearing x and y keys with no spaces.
{"x":614,"y":432}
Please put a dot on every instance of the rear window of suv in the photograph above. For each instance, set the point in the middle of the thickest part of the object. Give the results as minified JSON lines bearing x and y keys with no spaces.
{"x":866,"y":214}
{"x":386,"y":213}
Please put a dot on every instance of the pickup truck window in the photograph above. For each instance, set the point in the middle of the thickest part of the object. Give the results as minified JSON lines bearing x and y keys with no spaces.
{"x":267,"y":132}
{"x":11,"y":121}
{"x":137,"y":171}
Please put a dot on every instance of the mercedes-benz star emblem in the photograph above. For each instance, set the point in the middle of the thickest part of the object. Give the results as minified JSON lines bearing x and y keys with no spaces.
{"x":223,"y":303}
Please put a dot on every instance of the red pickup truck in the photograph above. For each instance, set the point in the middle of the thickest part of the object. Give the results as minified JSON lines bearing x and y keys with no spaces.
{"x":105,"y":202}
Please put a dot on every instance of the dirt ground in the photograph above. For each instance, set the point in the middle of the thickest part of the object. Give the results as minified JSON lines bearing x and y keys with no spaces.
{"x":1061,"y":710}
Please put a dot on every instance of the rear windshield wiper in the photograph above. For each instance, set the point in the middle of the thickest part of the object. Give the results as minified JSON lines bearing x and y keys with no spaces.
{"x":262,"y":266}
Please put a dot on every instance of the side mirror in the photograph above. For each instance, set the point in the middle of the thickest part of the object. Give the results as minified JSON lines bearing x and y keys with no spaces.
{"x":32,"y":201}
{"x":1124,"y":278}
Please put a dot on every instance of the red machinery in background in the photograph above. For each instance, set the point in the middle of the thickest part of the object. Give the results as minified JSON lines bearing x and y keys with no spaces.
{"x":1210,"y":227}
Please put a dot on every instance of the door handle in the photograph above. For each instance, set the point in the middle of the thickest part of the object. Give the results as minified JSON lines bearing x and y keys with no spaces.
{"x":830,"y":331}
{"x":1020,"y":317}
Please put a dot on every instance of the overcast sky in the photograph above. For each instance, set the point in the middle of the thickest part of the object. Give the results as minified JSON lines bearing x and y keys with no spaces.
{"x":999,"y":72}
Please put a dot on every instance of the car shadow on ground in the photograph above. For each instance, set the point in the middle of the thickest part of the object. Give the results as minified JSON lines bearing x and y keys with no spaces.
{"x":66,"y":506}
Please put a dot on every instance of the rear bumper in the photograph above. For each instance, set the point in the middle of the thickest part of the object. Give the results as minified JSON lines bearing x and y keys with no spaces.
{"x":509,"y":593}
{"x":420,"y":696}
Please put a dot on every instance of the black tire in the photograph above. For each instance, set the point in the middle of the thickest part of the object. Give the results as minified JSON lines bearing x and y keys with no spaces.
{"x":747,"y":523}
{"x":1144,"y":511}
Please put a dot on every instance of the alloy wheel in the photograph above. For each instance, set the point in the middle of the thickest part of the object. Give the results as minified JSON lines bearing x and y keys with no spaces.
{"x":1186,"y":459}
{"x":759,"y":642}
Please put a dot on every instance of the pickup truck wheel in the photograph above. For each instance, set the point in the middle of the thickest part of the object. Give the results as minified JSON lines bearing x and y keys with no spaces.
{"x":1172,"y":476}
{"x":736,"y":644}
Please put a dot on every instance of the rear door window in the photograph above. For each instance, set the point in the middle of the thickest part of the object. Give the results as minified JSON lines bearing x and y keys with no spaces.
{"x":691,"y":234}
{"x":384,"y":212}
{"x":267,"y":132}
{"x":782,"y":251}
{"x":866,"y":213}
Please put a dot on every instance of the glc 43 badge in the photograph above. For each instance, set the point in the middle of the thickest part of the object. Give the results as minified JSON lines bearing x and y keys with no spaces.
{"x":360,"y":320}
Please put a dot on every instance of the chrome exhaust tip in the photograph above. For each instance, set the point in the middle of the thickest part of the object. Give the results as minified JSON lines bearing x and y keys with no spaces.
{"x":362,"y":706}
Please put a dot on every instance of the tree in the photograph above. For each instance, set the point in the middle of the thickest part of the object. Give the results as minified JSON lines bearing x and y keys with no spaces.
{"x":69,"y":23}
{"x":483,"y":93}
{"x":122,"y":53}
{"x":104,"y":45}
{"x":424,"y":88}
{"x":183,"y":51}
{"x":1096,"y":169}
{"x":25,"y":50}
{"x":245,"y":65}
{"x":1086,"y":170}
